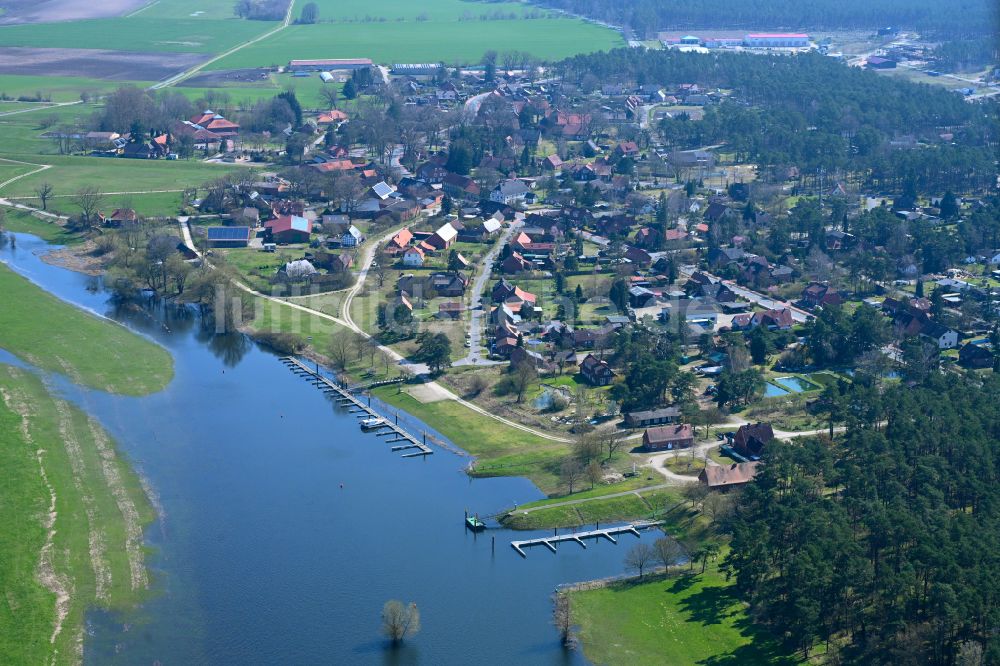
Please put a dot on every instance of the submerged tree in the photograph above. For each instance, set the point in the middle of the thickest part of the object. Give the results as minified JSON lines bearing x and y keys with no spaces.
{"x":400,"y":621}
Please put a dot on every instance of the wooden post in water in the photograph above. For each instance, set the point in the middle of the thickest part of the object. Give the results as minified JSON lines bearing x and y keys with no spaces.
{"x":493,"y":543}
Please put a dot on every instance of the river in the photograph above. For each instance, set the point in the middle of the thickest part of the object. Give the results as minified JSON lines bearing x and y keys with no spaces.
{"x":283,"y":528}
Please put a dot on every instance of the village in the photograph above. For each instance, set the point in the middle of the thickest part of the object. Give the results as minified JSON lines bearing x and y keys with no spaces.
{"x":583,"y":248}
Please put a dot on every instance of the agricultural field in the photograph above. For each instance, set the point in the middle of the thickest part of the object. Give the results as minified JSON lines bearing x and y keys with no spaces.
{"x":422,"y":41}
{"x":406,"y":10}
{"x":140,"y":33}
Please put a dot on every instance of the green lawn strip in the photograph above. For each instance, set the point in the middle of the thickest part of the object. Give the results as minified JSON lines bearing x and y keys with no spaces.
{"x":652,"y":504}
{"x":94,"y":352}
{"x":45,"y":228}
{"x":88,"y":512}
{"x":690,"y":618}
{"x":140,"y":34}
{"x":421,"y":41}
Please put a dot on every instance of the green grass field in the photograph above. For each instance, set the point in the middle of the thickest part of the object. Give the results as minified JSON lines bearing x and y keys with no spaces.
{"x":55,"y":88}
{"x":430,"y":41}
{"x":184,"y":9}
{"x":94,"y":550}
{"x":406,"y":10}
{"x":91,"y":351}
{"x":687,"y":619}
{"x":141,"y":33}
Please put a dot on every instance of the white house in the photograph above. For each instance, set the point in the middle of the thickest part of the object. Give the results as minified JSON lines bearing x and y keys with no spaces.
{"x":509,"y":191}
{"x":944,"y":337}
{"x":413,"y":256}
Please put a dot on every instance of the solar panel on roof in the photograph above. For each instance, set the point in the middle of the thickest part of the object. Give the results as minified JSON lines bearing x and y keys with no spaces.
{"x":228,"y":233}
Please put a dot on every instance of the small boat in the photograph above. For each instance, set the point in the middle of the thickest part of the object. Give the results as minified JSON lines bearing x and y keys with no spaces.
{"x":371,"y":424}
{"x":474,"y":524}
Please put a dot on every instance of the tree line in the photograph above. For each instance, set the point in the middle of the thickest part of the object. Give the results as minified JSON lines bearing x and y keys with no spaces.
{"x":647,"y":17}
{"x":882,"y":546}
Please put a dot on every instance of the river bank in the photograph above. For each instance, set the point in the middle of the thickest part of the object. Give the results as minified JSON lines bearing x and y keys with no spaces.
{"x":283,"y":525}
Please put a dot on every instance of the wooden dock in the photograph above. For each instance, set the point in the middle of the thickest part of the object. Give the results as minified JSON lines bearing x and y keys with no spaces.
{"x":394,"y":432}
{"x":608,"y":533}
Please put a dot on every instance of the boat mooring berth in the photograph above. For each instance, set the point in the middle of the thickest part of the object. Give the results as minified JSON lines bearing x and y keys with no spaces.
{"x":372,"y":421}
{"x":608,"y":533}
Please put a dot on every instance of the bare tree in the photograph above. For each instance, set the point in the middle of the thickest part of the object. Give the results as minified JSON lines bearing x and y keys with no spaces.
{"x":612,"y":442}
{"x":522,"y":378}
{"x":571,"y":472}
{"x":588,"y":447}
{"x":716,"y":506}
{"x":640,"y":556}
{"x":695,"y":493}
{"x":399,"y":621}
{"x":89,"y":200}
{"x":595,"y":473}
{"x":340,"y":350}
{"x":668,"y":552}
{"x":44,"y":192}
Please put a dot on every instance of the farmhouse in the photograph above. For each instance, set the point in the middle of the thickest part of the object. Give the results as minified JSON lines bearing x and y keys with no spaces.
{"x":443,"y":237}
{"x":669,"y":437}
{"x":750,"y":439}
{"x":722,"y":477}
{"x":596,"y":371}
{"x":214,"y":123}
{"x":652,"y":417}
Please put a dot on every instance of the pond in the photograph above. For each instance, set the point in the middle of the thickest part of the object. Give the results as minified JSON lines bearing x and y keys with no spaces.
{"x":796,"y":384}
{"x":774,"y":391}
{"x":283,"y":528}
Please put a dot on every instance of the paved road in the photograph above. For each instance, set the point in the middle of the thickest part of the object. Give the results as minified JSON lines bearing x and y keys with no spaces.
{"x":480,"y":309}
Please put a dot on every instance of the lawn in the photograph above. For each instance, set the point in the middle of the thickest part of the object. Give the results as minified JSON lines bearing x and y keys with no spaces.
{"x":95,"y":551}
{"x":548,"y":39}
{"x":692,"y":618}
{"x":142,"y":34}
{"x":92,"y":351}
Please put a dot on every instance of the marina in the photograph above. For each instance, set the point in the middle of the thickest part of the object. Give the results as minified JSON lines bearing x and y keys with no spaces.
{"x":608,"y":533}
{"x":372,"y":421}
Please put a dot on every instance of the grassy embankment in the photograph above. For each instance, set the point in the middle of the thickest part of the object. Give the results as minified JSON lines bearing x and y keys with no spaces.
{"x":690,"y":618}
{"x":73,"y":510}
{"x":71,"y":525}
{"x":22,"y":222}
{"x":93,"y":352}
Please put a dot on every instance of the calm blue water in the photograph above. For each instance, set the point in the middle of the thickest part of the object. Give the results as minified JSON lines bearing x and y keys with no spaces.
{"x":796,"y":384}
{"x":773,"y":390}
{"x":261,"y":557}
